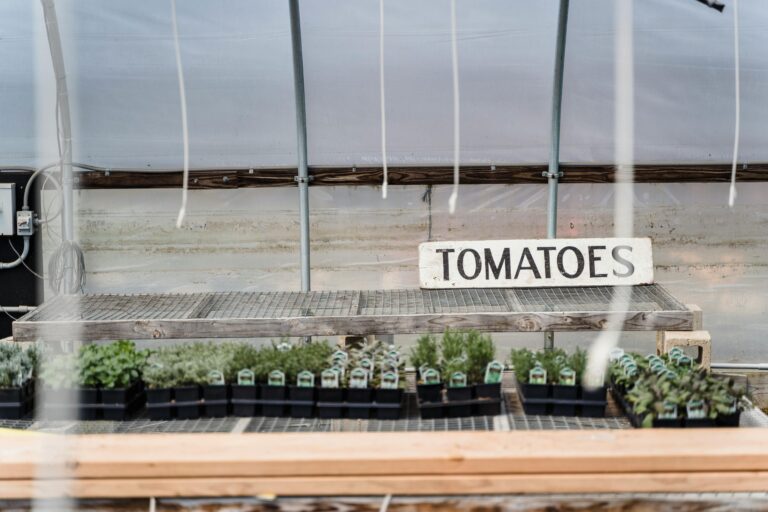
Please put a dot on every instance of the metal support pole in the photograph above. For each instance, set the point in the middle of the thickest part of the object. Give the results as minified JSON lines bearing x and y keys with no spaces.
{"x":64,"y":121}
{"x":553,"y":173}
{"x":301,"y":140}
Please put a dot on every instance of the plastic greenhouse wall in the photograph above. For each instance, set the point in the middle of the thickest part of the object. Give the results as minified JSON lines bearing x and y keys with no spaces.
{"x":237,"y":64}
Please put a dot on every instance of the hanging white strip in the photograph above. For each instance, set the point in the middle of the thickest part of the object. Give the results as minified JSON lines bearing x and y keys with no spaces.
{"x":736,"y":66}
{"x":455,"y":67}
{"x":623,"y":207}
{"x":383,"y":102}
{"x":184,"y":132}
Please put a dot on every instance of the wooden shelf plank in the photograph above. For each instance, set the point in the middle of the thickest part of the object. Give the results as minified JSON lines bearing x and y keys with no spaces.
{"x":381,"y":454}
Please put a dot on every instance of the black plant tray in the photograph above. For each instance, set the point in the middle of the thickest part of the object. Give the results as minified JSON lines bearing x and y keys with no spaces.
{"x":384,"y":404}
{"x":731,"y":420}
{"x":187,"y":402}
{"x":16,"y":403}
{"x":115,"y":404}
{"x":477,"y":400}
{"x":558,"y":400}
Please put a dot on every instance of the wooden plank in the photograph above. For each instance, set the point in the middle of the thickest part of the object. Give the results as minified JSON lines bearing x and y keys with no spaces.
{"x":359,"y":454}
{"x":698,"y":482}
{"x":96,"y":177}
{"x":346,"y":325}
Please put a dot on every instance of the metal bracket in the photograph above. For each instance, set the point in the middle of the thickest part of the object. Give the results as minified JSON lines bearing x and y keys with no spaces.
{"x":548,"y":174}
{"x":299,"y":179}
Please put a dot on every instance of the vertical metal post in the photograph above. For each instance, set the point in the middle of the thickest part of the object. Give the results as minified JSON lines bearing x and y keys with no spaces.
{"x":301,"y":140}
{"x":553,"y":173}
{"x":64,"y":120}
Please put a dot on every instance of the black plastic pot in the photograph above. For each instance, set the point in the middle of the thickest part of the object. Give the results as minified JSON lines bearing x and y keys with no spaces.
{"x":560,"y":392}
{"x":301,"y":394}
{"x":487,"y":407}
{"x":187,"y":402}
{"x":241,"y":395}
{"x":216,"y":400}
{"x":359,"y":401}
{"x":389,"y":397}
{"x":15,"y":403}
{"x":593,"y":395}
{"x":699,"y":423}
{"x":487,"y":390}
{"x":459,"y":402}
{"x":159,"y":404}
{"x":273,"y":400}
{"x":430,"y":392}
{"x":120,"y":403}
{"x":60,"y":406}
{"x":534,"y":390}
{"x":326,"y":400}
{"x":432,"y":410}
{"x":728,"y":420}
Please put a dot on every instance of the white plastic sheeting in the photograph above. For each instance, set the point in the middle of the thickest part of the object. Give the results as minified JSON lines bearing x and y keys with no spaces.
{"x":236,"y":55}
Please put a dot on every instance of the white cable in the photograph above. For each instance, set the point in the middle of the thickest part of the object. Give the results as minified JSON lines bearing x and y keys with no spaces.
{"x":383,"y":101}
{"x":732,"y":192}
{"x":185,"y":134}
{"x":455,"y":64}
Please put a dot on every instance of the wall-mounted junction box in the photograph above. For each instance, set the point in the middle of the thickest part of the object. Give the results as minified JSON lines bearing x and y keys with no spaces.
{"x":7,"y":209}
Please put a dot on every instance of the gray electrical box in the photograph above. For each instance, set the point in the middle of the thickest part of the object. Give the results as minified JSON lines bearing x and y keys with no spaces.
{"x":7,"y":209}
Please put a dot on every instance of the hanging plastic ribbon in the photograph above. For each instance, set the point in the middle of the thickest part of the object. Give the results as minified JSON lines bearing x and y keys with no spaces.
{"x":736,"y":65}
{"x":184,"y":132}
{"x":383,"y":101}
{"x":455,"y":67}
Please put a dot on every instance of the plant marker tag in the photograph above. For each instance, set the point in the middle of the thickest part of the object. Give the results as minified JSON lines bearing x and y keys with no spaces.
{"x":390,"y":380}
{"x":669,"y":374}
{"x":340,"y":355}
{"x":246,"y":378}
{"x":215,"y":378}
{"x":330,"y":378}
{"x":389,"y":366}
{"x":626,"y":359}
{"x":394,"y":355}
{"x":685,"y":361}
{"x":276,"y":378}
{"x":430,"y":376}
{"x":669,"y":411}
{"x":615,"y":354}
{"x":537,"y":375}
{"x":658,"y":366}
{"x":695,"y":409}
{"x":493,"y":373}
{"x":458,"y":380}
{"x":367,"y":365}
{"x":358,"y":378}
{"x":305,"y":379}
{"x":675,"y":352}
{"x":567,"y":377}
{"x":284,"y":347}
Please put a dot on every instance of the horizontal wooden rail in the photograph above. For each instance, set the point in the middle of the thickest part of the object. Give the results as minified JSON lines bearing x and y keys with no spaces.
{"x":722,"y":460}
{"x":99,"y":178}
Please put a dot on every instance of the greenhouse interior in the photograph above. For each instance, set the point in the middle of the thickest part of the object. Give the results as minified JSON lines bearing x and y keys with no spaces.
{"x":371,"y":255}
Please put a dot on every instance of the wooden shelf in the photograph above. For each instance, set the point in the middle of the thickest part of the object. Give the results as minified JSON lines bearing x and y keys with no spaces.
{"x":351,"y":312}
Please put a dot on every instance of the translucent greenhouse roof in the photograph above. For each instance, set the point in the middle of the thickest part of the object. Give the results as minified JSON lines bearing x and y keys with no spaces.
{"x":237,"y":63}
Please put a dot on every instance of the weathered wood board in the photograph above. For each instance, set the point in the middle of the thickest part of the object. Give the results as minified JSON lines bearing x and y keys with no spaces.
{"x":536,"y":263}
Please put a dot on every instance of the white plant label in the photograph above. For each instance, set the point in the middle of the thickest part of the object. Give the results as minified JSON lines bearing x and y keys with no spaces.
{"x":536,"y":263}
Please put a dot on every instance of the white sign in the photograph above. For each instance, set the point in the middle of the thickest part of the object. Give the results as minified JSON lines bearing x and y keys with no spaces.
{"x":536,"y":263}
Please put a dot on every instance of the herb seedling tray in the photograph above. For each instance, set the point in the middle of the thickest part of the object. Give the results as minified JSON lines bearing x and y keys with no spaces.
{"x":556,"y":400}
{"x":730,"y":420}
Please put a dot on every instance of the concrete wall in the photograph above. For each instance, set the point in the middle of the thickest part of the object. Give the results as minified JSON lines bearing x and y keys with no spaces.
{"x":705,"y":253}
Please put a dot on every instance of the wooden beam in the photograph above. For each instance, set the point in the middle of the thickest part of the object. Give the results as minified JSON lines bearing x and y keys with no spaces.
{"x":410,"y":485}
{"x":100,"y":178}
{"x":514,"y":321}
{"x":359,"y":454}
